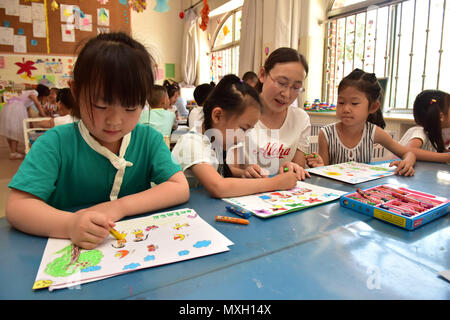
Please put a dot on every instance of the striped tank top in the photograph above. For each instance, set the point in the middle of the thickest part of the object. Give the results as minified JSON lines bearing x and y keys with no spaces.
{"x":339,"y":153}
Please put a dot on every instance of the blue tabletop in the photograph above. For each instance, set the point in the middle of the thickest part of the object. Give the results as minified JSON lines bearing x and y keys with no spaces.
{"x":325,"y":252}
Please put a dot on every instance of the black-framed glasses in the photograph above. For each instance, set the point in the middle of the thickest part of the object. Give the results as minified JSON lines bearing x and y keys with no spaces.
{"x":284,"y":85}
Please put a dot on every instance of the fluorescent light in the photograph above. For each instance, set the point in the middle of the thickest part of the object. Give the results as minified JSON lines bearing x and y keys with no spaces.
{"x":226,"y":7}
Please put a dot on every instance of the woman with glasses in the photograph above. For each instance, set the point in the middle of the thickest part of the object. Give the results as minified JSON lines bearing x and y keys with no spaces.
{"x":280,"y":138}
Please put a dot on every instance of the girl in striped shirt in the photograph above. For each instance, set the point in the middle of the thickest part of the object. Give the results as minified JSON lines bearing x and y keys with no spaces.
{"x":360,"y":127}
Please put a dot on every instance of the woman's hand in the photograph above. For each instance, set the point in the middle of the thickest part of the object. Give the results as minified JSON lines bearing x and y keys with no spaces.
{"x":255,"y":171}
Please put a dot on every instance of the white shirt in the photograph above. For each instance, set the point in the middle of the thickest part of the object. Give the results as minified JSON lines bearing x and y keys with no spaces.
{"x":63,"y":120}
{"x":419,"y":133}
{"x":196,"y":115}
{"x":271,"y":148}
{"x":194,"y":148}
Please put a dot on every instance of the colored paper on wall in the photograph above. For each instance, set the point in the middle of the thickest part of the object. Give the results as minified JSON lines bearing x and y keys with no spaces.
{"x":170,"y":70}
{"x":150,"y":241}
{"x":354,"y":172}
{"x":270,"y":204}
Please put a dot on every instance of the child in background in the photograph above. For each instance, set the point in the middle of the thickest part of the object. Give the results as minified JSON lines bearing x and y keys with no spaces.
{"x":360,"y":127}
{"x":103,"y":163}
{"x":251,"y":78}
{"x":176,"y":102}
{"x":64,"y":104}
{"x":159,"y":117}
{"x":201,"y":92}
{"x":432,"y":114}
{"x":15,"y":111}
{"x":50,"y":107}
{"x":232,"y":108}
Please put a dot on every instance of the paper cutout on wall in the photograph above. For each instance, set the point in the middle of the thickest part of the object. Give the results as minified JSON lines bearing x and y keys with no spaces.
{"x":161,"y":6}
{"x":103,"y":17}
{"x":138,"y":5}
{"x":25,"y":67}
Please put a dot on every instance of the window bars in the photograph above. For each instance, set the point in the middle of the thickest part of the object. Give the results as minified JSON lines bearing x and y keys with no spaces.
{"x":400,"y":40}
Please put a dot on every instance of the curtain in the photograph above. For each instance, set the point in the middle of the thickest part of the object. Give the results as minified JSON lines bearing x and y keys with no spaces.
{"x":251,"y":36}
{"x":190,"y":48}
{"x":283,"y":15}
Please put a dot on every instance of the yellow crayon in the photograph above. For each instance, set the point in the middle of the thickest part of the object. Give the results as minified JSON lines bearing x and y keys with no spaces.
{"x":231,"y":220}
{"x":116,"y":234}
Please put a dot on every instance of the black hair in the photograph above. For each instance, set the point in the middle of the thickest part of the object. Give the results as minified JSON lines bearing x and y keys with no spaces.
{"x":158,"y":93}
{"x":202,"y":91}
{"x":249,"y":75}
{"x":369,"y":85}
{"x":43,"y":90}
{"x":115,"y":68}
{"x":427,"y":108}
{"x":65,"y":97}
{"x":283,"y":55}
{"x":172,"y":87}
{"x":231,"y":95}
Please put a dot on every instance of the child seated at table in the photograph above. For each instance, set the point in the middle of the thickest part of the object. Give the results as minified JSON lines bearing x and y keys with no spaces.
{"x":360,"y":127}
{"x":231,"y":109}
{"x":432,"y":116}
{"x":159,"y":117}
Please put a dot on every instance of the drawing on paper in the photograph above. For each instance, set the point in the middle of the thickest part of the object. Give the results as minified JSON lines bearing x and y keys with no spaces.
{"x":269,"y":204}
{"x":149,"y":241}
{"x":354,"y":172}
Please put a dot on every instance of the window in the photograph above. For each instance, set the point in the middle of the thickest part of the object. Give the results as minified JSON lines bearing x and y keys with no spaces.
{"x":402,"y":41}
{"x":225,"y":49}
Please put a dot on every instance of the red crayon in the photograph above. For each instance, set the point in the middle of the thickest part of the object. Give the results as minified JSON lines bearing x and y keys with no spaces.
{"x":231,"y":220}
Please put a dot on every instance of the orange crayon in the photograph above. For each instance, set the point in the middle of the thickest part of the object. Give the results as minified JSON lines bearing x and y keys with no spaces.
{"x":231,"y":220}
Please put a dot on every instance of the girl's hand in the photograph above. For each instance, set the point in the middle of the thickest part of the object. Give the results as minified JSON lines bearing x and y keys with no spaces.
{"x":87,"y":229}
{"x":404,"y":168}
{"x":285,"y":181}
{"x":295,"y":168}
{"x":314,"y":160}
{"x":255,"y":171}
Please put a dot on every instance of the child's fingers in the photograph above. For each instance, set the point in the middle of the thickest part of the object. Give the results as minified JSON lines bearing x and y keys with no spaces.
{"x":252,"y":172}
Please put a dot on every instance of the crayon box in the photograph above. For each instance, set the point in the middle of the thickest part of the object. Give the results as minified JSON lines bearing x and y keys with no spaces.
{"x":405,"y":208}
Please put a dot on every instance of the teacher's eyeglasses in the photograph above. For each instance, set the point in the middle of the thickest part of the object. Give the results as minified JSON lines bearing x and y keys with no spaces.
{"x":284,"y":85}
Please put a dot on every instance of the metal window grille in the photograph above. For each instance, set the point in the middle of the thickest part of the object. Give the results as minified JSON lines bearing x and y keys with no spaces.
{"x":225,"y":58}
{"x":403,"y":41}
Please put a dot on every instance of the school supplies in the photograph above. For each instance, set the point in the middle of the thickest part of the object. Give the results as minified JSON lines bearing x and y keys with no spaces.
{"x":116,"y":234}
{"x":400,"y":206}
{"x":150,"y":241}
{"x":270,"y":204}
{"x":354,"y":172}
{"x":239,"y":211}
{"x":231,"y":220}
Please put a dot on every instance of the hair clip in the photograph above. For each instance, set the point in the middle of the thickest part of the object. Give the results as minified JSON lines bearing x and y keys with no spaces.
{"x":433,"y":101}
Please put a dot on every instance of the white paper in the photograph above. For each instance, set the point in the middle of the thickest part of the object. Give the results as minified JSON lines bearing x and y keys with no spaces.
{"x":20,"y":44}
{"x":12,"y":8}
{"x":6,"y":36}
{"x":66,"y":12}
{"x":39,"y":29}
{"x":269,"y":204}
{"x":354,"y":172}
{"x":102,"y":17}
{"x":86,"y":23}
{"x":68,"y":32}
{"x":25,"y":14}
{"x":37,"y":11}
{"x":150,"y":241}
{"x":445,"y":274}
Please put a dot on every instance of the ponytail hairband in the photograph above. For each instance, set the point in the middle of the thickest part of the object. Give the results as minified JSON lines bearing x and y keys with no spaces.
{"x":433,"y":101}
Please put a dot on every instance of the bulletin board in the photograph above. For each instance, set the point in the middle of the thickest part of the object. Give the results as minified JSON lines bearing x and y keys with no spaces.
{"x":56,"y":27}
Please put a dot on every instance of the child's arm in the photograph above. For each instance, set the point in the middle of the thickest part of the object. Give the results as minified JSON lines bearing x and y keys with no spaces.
{"x":404,"y":167}
{"x":169,"y":193}
{"x":38,"y":105}
{"x":30,"y":214}
{"x":415,"y":145}
{"x":220,"y":187}
{"x":322,"y":158}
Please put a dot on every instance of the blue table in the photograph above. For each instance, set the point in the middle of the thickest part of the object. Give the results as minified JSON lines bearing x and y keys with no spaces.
{"x":326,"y":252}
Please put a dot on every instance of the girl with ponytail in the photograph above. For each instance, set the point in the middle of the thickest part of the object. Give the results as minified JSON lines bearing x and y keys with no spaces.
{"x":230,"y":110}
{"x":431,"y":113}
{"x":360,"y":127}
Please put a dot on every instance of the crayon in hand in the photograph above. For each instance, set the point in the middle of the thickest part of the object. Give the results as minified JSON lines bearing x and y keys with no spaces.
{"x":116,"y":234}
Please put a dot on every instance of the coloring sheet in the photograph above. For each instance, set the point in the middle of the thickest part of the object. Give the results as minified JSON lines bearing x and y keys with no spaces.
{"x":269,"y":204}
{"x":150,"y":241}
{"x":354,"y":172}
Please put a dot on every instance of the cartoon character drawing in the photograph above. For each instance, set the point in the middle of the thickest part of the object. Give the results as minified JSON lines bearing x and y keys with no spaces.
{"x":178,"y":226}
{"x":120,"y":243}
{"x":152,"y":248}
{"x":139,"y":234}
{"x":121,"y":253}
{"x":151,"y":228}
{"x":179,"y":236}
